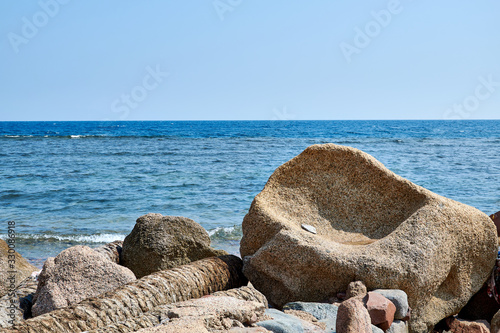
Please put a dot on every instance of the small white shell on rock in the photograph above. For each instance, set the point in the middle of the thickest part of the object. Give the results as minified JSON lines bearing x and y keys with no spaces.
{"x":309,"y":228}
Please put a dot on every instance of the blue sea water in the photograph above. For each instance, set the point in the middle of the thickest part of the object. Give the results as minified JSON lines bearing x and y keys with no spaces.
{"x":69,"y":183}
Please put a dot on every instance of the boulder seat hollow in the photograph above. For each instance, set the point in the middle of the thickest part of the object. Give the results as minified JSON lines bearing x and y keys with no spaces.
{"x":372,"y":225}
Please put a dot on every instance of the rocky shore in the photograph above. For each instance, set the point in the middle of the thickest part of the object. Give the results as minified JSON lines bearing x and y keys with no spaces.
{"x":335,"y":242}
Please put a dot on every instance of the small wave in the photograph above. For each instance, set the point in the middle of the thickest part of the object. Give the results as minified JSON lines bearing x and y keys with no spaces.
{"x":7,"y":136}
{"x":102,"y":238}
{"x":10,"y":196}
{"x":226,"y":233}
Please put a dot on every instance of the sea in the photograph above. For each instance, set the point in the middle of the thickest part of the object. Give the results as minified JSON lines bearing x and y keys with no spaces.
{"x":85,"y":183}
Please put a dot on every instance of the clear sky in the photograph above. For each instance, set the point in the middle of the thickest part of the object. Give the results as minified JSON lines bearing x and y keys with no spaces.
{"x":242,"y":59}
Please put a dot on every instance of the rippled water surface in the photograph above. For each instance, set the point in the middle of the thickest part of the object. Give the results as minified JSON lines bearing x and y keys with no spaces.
{"x":68,"y":183}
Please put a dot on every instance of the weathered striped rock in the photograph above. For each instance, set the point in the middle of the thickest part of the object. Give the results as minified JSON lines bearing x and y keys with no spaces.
{"x":133,"y":300}
{"x":112,"y":250}
{"x":163,"y":313}
{"x":372,"y":225}
{"x":245,"y":293}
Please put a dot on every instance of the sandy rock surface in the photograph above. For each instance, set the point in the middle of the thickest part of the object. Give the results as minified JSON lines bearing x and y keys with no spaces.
{"x":372,"y":225}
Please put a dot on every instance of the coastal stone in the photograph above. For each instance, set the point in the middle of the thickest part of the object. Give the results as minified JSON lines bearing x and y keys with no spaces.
{"x":355,"y":288}
{"x":160,"y":242}
{"x":245,"y":293}
{"x":353,"y":317}
{"x":496,"y":219}
{"x":457,"y":325}
{"x":318,"y":310}
{"x":14,"y":269}
{"x":248,"y":330}
{"x":138,"y":304}
{"x":324,"y":312}
{"x":302,"y":315}
{"x":376,"y":329}
{"x":381,"y":310}
{"x":480,"y":306}
{"x":398,"y":326}
{"x":372,"y":225}
{"x":186,"y":325}
{"x":495,"y":323}
{"x":285,"y":323}
{"x":16,"y":306}
{"x":399,"y":299}
{"x":75,"y":274}
{"x":215,"y":313}
{"x":112,"y":250}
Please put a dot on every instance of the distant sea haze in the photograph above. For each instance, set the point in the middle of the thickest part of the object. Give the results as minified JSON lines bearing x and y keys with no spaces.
{"x":69,"y":183}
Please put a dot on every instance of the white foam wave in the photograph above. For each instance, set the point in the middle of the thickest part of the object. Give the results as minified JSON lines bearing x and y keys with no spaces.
{"x":220,"y":229}
{"x":102,"y":238}
{"x":225,"y":233}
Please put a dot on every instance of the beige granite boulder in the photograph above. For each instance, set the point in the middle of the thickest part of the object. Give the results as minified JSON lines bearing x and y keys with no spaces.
{"x":75,"y":274}
{"x":160,"y":242}
{"x":368,"y":224}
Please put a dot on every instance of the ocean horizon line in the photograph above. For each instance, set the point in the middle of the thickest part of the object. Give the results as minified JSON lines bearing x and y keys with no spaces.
{"x":241,"y":120}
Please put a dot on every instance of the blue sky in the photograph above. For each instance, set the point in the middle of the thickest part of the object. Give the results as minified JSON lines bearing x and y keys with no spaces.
{"x":241,"y":59}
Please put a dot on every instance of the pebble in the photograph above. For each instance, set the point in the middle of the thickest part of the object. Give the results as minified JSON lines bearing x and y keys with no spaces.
{"x":309,"y":228}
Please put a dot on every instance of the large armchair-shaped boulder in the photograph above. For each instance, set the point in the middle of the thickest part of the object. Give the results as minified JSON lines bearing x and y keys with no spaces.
{"x":372,"y":225}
